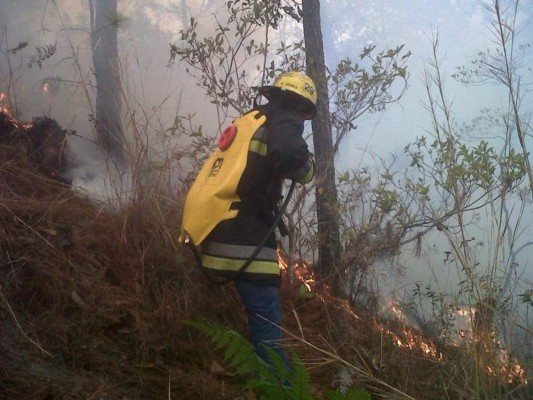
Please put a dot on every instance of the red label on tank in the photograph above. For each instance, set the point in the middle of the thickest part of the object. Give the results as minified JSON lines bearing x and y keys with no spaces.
{"x":226,"y":139}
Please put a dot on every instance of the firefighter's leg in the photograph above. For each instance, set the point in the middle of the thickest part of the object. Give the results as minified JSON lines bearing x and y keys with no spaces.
{"x":264,"y":318}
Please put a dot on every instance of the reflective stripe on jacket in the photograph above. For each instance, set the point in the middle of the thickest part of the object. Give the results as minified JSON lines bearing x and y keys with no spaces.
{"x":223,"y":259}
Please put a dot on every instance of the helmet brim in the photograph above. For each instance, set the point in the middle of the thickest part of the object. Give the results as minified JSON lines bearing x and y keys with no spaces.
{"x":301,"y":104}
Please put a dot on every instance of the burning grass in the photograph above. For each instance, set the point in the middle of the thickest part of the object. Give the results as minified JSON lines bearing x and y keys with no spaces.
{"x":92,"y":304}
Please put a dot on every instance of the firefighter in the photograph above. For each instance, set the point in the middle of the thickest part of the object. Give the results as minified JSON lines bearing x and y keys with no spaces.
{"x":232,"y":205}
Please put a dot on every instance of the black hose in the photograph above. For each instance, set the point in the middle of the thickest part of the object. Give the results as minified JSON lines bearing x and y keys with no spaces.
{"x":252,"y":257}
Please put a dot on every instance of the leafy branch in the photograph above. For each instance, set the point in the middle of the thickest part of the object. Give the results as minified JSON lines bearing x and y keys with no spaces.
{"x":43,"y":53}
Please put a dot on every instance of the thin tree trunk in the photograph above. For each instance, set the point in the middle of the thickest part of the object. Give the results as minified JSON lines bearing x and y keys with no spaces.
{"x":104,"y":45}
{"x":326,"y":191}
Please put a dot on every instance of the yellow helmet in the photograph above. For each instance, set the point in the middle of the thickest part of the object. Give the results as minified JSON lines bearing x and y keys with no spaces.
{"x":297,"y":83}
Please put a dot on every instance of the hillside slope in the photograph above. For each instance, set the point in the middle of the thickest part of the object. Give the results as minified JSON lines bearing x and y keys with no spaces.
{"x":92,"y":305}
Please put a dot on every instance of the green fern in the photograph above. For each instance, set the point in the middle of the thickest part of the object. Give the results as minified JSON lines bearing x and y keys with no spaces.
{"x":239,"y":353}
{"x":271,"y":381}
{"x":301,"y":380}
{"x":274,"y":382}
{"x":352,"y":394}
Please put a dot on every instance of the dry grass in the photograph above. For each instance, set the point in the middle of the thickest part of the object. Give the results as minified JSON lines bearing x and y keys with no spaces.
{"x":92,"y":301}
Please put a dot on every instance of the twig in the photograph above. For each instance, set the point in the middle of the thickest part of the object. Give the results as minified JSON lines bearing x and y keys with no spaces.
{"x":298,"y":321}
{"x":169,"y":378}
{"x":27,"y":226}
{"x":18,"y":324}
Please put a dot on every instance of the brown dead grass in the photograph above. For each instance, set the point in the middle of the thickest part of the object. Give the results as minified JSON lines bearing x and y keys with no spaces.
{"x":92,"y":301}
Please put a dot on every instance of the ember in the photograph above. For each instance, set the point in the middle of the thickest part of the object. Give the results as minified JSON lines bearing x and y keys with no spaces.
{"x":42,"y":141}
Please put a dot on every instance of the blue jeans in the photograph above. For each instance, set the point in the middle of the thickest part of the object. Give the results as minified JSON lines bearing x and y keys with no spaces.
{"x":264,"y":313}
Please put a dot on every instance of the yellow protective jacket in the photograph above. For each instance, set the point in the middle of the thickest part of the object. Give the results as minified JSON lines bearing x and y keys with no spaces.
{"x":231,"y":205}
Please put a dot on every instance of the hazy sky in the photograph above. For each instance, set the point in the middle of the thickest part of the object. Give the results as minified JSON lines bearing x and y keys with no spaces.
{"x":463,"y":30}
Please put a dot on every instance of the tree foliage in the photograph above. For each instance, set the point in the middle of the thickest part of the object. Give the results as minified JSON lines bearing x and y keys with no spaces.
{"x":505,"y":65}
{"x":358,"y":88}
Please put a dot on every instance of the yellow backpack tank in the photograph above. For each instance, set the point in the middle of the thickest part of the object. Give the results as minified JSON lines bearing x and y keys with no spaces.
{"x":213,"y":192}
